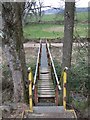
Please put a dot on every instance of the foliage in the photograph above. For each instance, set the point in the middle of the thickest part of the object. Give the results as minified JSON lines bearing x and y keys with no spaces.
{"x":80,"y":104}
{"x":78,"y":75}
{"x":32,"y":65}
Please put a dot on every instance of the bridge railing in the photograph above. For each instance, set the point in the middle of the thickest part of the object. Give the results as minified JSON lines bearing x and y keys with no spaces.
{"x":53,"y":67}
{"x":37,"y":66}
{"x":36,"y":76}
{"x":64,"y":78}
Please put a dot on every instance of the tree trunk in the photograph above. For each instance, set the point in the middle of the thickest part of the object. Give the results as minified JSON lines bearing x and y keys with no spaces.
{"x":12,"y":21}
{"x":68,"y":39}
{"x":68,"y":33}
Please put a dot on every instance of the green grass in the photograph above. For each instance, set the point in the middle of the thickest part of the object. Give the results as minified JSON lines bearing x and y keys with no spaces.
{"x":81,"y":16}
{"x":52,"y":31}
{"x":42,"y":31}
{"x":50,"y":17}
{"x":81,"y":29}
{"x":56,"y":31}
{"x":53,"y":17}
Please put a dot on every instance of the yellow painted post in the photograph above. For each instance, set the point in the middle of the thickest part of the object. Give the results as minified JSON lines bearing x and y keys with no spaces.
{"x":64,"y":87}
{"x":30,"y":78}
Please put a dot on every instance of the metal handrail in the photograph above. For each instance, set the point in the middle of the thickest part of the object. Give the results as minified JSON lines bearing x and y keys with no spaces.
{"x":37,"y":65}
{"x":64,"y":78}
{"x":57,"y":81}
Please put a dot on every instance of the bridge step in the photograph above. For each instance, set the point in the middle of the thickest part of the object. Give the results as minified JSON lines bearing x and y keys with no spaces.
{"x":45,"y":80}
{"x":45,"y":69}
{"x":45,"y":88}
{"x":46,"y":104}
{"x":45,"y":83}
{"x":46,"y":93}
{"x":42,"y":77}
{"x":46,"y":96}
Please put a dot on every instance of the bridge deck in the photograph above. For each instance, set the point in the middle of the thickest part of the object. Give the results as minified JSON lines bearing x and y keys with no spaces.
{"x":45,"y":83}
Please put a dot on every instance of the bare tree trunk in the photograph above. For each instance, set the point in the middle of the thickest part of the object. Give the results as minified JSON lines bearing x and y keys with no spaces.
{"x":68,"y":39}
{"x":12,"y":14}
{"x":68,"y":33}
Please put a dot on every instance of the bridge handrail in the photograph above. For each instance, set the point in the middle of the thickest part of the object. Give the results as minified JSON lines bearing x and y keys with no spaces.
{"x":37,"y":65}
{"x":53,"y":67}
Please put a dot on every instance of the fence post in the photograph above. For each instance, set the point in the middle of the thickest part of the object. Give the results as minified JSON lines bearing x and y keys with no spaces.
{"x":64,"y":86}
{"x":30,"y":78}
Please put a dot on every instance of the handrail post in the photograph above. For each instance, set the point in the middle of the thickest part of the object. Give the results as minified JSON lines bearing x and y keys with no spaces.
{"x":56,"y":96}
{"x":35,"y":95}
{"x":30,"y":78}
{"x":64,"y":86}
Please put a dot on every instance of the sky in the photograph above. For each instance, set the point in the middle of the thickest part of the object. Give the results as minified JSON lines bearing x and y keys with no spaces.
{"x":56,"y":3}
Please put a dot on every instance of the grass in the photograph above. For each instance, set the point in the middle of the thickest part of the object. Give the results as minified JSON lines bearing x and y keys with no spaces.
{"x":42,"y":31}
{"x":50,"y":17}
{"x":81,"y":16}
{"x":56,"y":31}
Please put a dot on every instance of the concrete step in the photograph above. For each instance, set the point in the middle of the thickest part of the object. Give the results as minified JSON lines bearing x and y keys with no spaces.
{"x":50,"y":112}
{"x":50,"y":109}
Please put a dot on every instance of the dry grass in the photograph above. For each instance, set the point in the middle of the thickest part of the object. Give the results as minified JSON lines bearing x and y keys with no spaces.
{"x":54,"y":29}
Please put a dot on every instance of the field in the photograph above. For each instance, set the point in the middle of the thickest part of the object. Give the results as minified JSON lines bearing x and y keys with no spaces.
{"x":56,"y":30}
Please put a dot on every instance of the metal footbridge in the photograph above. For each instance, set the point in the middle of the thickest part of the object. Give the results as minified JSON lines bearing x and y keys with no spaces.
{"x":45,"y":90}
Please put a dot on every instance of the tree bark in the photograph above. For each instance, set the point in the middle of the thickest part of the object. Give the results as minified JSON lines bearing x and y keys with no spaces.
{"x":68,"y":39}
{"x":68,"y":34}
{"x":12,"y":27}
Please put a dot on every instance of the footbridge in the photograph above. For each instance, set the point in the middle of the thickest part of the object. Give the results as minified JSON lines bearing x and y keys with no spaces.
{"x":45,"y":90}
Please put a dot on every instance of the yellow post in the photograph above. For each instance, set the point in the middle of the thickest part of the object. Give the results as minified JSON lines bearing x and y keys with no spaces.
{"x":64,"y":87}
{"x":30,"y":78}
